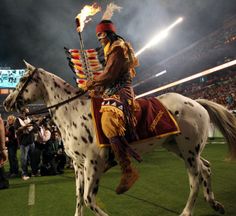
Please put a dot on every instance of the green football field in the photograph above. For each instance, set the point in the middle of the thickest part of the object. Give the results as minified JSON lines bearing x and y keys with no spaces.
{"x":162,"y":190}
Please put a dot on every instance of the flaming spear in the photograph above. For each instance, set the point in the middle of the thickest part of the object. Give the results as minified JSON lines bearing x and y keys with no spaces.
{"x":81,"y":20}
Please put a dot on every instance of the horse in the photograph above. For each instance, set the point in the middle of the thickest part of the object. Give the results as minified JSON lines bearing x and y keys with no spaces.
{"x":74,"y":120}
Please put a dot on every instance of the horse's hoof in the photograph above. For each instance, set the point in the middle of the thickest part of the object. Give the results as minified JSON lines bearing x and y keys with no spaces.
{"x":218,"y":207}
{"x":185,"y":214}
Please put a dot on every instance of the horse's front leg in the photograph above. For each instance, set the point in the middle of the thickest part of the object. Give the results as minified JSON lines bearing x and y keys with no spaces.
{"x":79,"y":180}
{"x":93,"y":170}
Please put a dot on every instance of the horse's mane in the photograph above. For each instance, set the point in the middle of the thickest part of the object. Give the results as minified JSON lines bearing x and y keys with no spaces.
{"x":59,"y":81}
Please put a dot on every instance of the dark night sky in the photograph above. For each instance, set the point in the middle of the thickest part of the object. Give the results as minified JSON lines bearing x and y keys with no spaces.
{"x":37,"y":31}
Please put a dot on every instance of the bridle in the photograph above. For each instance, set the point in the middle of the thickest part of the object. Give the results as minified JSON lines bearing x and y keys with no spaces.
{"x":30,"y":77}
{"x":46,"y":109}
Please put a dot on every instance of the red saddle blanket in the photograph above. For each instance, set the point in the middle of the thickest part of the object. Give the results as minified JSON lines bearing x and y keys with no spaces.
{"x":153,"y":120}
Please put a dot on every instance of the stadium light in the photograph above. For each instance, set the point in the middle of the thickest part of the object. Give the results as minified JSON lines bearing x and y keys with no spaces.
{"x":159,"y":37}
{"x":161,"y":73}
{"x":143,"y":81}
{"x":200,"y":74}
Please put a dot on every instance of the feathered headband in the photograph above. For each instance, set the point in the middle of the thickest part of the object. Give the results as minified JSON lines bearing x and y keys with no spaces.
{"x":106,"y":24}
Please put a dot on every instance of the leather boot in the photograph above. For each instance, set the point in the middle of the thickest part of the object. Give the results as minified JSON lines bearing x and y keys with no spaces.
{"x":129,"y":174}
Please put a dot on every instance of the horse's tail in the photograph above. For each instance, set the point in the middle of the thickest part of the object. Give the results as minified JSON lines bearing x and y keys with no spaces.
{"x":224,"y":120}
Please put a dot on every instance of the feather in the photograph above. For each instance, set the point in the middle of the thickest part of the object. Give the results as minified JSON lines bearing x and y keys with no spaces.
{"x":110,"y":10}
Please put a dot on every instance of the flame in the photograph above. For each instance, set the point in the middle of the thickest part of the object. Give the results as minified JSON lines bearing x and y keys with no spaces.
{"x":88,"y":10}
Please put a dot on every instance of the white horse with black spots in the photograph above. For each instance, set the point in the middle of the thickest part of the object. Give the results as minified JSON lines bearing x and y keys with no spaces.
{"x":74,"y":120}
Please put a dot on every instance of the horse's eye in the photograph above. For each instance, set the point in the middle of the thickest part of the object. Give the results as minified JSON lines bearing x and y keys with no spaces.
{"x":22,"y":79}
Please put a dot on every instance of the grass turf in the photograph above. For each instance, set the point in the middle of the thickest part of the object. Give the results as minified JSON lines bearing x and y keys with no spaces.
{"x":161,"y":190}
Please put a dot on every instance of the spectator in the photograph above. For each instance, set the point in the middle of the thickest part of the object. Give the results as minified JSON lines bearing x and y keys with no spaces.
{"x":54,"y":158}
{"x":4,"y":183}
{"x":61,"y":155}
{"x":25,"y":135}
{"x":230,"y":100}
{"x":12,"y":146}
{"x":43,"y":135}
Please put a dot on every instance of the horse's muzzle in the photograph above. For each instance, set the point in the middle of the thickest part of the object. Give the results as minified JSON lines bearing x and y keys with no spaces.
{"x":9,"y":104}
{"x":6,"y":105}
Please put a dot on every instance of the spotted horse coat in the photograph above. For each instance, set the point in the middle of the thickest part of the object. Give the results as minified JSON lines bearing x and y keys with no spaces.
{"x":75,"y":123}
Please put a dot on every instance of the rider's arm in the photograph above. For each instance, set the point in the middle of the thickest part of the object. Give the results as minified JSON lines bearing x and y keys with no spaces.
{"x":116,"y":65}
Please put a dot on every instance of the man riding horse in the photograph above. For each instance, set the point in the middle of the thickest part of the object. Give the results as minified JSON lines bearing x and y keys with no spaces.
{"x":114,"y":86}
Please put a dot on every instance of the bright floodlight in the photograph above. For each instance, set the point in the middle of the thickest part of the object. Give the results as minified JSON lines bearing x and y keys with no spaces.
{"x":163,"y":34}
{"x":156,"y":75}
{"x":186,"y":79}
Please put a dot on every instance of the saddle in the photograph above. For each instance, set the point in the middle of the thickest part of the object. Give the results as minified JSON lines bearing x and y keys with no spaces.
{"x":153,"y":120}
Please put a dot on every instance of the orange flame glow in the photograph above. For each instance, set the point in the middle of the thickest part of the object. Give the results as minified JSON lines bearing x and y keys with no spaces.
{"x":81,"y":18}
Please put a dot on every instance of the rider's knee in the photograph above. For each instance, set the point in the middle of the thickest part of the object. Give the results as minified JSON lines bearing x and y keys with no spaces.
{"x":112,"y":125}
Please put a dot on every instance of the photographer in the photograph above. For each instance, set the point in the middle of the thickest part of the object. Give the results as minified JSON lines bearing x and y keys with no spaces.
{"x":25,"y":136}
{"x":54,"y":158}
{"x":43,"y":134}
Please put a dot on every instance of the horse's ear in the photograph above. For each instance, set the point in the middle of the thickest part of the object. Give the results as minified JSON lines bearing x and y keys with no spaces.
{"x":29,"y":66}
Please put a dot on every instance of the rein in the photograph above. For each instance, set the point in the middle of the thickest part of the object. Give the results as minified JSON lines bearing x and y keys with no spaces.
{"x":46,"y":109}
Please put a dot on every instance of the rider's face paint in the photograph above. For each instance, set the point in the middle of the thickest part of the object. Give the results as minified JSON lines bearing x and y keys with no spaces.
{"x":102,"y":37}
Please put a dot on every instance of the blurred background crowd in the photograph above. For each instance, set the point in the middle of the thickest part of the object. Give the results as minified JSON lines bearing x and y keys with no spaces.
{"x":34,"y":147}
{"x":219,"y":87}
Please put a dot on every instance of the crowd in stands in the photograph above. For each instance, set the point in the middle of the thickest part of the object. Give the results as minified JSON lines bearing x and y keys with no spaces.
{"x":219,"y":87}
{"x":40,"y":147}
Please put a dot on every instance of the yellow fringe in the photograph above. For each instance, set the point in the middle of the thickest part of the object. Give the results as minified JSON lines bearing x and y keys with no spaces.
{"x":118,"y":115}
{"x":113,"y":109}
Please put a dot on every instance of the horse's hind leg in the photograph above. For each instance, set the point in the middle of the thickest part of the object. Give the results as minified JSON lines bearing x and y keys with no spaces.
{"x":192,"y":162}
{"x":93,"y":170}
{"x":189,"y":151}
{"x":207,"y":190}
{"x":193,"y":169}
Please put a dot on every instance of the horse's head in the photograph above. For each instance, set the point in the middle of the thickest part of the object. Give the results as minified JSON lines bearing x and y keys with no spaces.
{"x":25,"y":92}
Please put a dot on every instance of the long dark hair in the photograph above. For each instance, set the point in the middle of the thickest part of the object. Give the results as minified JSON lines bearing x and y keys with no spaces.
{"x":113,"y":36}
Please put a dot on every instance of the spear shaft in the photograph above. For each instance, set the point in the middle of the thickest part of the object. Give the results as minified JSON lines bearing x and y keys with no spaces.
{"x":84,"y":56}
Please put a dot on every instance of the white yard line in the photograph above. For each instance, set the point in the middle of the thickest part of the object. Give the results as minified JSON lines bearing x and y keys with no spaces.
{"x":31,"y":199}
{"x":216,"y":143}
